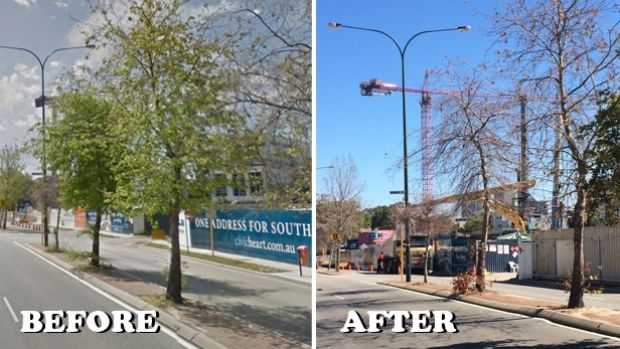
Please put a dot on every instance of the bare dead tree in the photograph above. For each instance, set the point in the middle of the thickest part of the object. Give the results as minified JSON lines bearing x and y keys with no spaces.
{"x":470,"y":144}
{"x":569,"y":48}
{"x":339,"y":209}
{"x":430,"y":222}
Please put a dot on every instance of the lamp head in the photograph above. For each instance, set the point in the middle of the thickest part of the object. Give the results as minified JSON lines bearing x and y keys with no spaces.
{"x":334,"y":25}
{"x":464,"y":28}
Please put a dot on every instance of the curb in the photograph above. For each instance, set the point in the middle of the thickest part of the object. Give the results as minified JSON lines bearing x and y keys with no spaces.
{"x":550,"y":315}
{"x":187,"y":332}
{"x":331,"y":273}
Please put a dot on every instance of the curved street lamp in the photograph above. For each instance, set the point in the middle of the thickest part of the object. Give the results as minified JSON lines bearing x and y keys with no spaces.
{"x":42,"y":65}
{"x":402,"y":50}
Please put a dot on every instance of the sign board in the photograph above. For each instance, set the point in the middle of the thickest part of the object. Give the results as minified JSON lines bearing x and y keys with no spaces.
{"x":261,"y":233}
{"x":121,"y":224}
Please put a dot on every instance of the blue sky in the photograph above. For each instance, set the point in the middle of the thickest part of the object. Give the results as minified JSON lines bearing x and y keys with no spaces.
{"x":370,"y":128}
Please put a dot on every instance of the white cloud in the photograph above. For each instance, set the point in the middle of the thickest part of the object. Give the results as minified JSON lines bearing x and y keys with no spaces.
{"x":221,"y":7}
{"x":25,"y":3}
{"x":26,"y":122}
{"x":61,"y":3}
{"x":18,"y":89}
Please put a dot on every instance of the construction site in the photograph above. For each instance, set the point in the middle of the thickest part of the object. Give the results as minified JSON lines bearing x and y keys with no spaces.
{"x":517,"y":218}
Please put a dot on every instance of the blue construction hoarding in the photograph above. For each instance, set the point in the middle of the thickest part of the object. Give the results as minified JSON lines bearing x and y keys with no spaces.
{"x":500,"y":253}
{"x":114,"y":222}
{"x":261,"y":233}
{"x":458,"y":255}
{"x":121,"y":224}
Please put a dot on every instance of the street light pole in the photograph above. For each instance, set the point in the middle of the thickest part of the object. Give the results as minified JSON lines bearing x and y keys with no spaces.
{"x":44,"y":165}
{"x":402,"y":51}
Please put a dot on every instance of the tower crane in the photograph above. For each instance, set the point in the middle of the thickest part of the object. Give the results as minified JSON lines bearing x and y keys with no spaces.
{"x":376,"y":87}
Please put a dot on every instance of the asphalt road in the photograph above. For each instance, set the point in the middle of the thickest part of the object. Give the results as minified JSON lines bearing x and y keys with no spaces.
{"x":478,"y":327}
{"x":275,"y":304}
{"x":29,"y":283}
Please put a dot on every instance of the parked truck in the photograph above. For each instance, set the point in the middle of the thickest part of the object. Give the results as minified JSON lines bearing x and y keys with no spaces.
{"x":417,"y":250}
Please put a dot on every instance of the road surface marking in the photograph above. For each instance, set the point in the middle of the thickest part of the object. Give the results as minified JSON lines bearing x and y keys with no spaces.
{"x":164,"y":329}
{"x":8,"y":305}
{"x":339,"y":297}
{"x":507,"y":313}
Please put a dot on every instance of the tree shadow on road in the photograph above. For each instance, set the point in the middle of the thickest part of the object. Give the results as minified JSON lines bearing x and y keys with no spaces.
{"x":518,"y":344}
{"x":293,"y":321}
{"x":374,"y":303}
{"x":548,"y":284}
{"x":285,"y":331}
{"x":354,"y":292}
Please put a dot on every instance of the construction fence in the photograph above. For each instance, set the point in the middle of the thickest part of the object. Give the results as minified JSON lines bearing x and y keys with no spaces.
{"x":553,"y":251}
{"x":450,"y":256}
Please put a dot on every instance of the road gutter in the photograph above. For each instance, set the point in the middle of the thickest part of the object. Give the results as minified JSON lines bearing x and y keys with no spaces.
{"x":533,"y":312}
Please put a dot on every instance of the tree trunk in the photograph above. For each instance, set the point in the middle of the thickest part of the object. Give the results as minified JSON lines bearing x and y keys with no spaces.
{"x":173,"y":291}
{"x":46,"y":228}
{"x":428,"y":241}
{"x":56,"y":230}
{"x":338,"y":256}
{"x":6,"y":213}
{"x":94,"y":259}
{"x":575,"y":299}
{"x":480,"y":277}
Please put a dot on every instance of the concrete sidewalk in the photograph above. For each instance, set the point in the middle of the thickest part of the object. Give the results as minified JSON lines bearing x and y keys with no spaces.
{"x":291,"y":271}
{"x":556,"y":316}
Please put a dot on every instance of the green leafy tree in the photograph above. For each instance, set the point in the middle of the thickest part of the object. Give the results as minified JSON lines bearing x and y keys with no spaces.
{"x":365,"y":220}
{"x":81,"y":148}
{"x":13,"y":182}
{"x":382,"y":217}
{"x":605,"y":182}
{"x":176,"y":133}
{"x":473,"y":223}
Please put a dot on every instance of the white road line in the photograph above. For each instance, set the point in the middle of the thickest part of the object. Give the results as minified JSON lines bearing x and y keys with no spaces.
{"x":164,"y":329}
{"x":339,"y":297}
{"x":8,"y":305}
{"x":504,"y":312}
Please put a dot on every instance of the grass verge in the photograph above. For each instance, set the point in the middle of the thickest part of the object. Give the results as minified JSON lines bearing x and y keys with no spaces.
{"x":223,"y":260}
{"x":54,"y":249}
{"x":159,"y":301}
